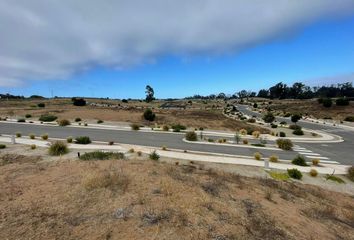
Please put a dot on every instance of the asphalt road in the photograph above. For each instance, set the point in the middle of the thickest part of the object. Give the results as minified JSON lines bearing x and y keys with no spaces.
{"x":341,"y":152}
{"x":151,"y":139}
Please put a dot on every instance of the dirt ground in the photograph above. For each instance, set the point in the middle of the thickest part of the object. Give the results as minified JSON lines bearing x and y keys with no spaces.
{"x":198,"y":114}
{"x":64,"y":198}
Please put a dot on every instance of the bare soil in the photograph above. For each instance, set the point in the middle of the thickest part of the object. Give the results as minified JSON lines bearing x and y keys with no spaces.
{"x":144,"y":199}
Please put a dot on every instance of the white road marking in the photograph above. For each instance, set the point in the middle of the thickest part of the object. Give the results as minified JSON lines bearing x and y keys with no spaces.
{"x":311,"y":154}
{"x":317,"y":157}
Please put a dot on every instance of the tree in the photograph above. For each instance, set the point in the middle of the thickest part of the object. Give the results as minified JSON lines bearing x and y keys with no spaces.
{"x":78,"y":101}
{"x":295,"y":118}
{"x":327,"y":102}
{"x":149,"y":115}
{"x":149,"y":94}
{"x":279,"y":90}
{"x":263,"y":93}
{"x":268,"y":117}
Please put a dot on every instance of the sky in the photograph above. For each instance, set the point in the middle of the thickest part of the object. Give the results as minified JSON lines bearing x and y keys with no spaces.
{"x":115,"y":48}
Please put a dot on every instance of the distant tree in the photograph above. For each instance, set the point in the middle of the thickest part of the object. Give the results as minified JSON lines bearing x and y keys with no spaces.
{"x":255,"y":105}
{"x":78,"y":101}
{"x":36,"y":97}
{"x":268,"y":117}
{"x":342,"y":101}
{"x":221,"y":96}
{"x":279,"y":90}
{"x":263,"y":93}
{"x":149,"y":94}
{"x":295,"y":118}
{"x":327,"y":102}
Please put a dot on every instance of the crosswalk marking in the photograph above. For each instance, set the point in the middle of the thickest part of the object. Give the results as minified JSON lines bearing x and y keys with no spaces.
{"x":312,"y":155}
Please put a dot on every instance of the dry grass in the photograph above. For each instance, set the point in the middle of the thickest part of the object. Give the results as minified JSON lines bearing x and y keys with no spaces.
{"x":140,"y":199}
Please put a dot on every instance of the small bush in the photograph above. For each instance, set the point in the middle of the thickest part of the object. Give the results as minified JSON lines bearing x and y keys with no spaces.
{"x":191,"y":136}
{"x":21,"y":120}
{"x":18,"y":134}
{"x":41,"y":105}
{"x":342,"y":102}
{"x":313,"y":173}
{"x":299,"y":160}
{"x":154,"y":156}
{"x":82,"y":140}
{"x":298,"y":132}
{"x":315,"y":162}
{"x":327,"y":102}
{"x":295,"y":127}
{"x":273,"y":158}
{"x":294,"y":173}
{"x":273,"y":126}
{"x":149,"y":115}
{"x":283,"y":123}
{"x":2,"y":146}
{"x":257,"y":156}
{"x":243,"y":132}
{"x":139,"y":153}
{"x":350,"y":173}
{"x":99,"y":121}
{"x":111,"y":143}
{"x":287,"y":114}
{"x":28,"y":115}
{"x":63,"y":122}
{"x":251,"y":120}
{"x":135,"y":127}
{"x":69,"y":139}
{"x":78,"y":101}
{"x":211,"y":140}
{"x":285,"y":144}
{"x":77,"y":119}
{"x":245,"y":141}
{"x":164,"y":148}
{"x":256,"y":134}
{"x":313,"y":134}
{"x":165,"y":128}
{"x":85,"y":124}
{"x":282,"y":134}
{"x":47,"y":118}
{"x":58,"y":148}
{"x":32,"y":136}
{"x":178,"y":127}
{"x":44,"y":136}
{"x":131,"y":150}
{"x":99,"y":155}
{"x":33,"y":146}
{"x":349,"y":119}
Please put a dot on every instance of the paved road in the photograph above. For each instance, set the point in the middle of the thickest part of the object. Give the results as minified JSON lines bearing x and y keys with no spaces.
{"x":341,"y":152}
{"x":152,"y":139}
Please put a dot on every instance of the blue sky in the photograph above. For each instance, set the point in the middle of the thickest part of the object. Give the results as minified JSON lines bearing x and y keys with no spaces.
{"x":323,"y":49}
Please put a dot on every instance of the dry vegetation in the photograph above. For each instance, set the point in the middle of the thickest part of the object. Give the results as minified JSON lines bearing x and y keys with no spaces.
{"x":143,"y":199}
{"x":312,"y":108}
{"x":198,"y":114}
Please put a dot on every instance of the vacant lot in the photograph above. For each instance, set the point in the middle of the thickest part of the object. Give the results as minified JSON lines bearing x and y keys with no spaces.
{"x":144,"y":199}
{"x":195,"y":115}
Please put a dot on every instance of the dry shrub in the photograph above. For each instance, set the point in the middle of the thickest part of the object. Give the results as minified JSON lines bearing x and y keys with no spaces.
{"x":315,"y":162}
{"x":313,"y":173}
{"x":273,"y":158}
{"x":106,"y":178}
{"x":256,"y":134}
{"x":243,"y":132}
{"x":245,"y":141}
{"x":257,"y":156}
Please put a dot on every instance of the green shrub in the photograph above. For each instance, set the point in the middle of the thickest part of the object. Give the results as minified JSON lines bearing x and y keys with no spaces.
{"x":191,"y":136}
{"x":327,"y":102}
{"x":99,"y":155}
{"x":47,"y":118}
{"x":342,"y":102}
{"x":149,"y":115}
{"x":313,"y":173}
{"x":350,"y":173}
{"x":258,"y":144}
{"x":178,"y":127}
{"x":21,"y":120}
{"x":349,"y":119}
{"x":132,"y":150}
{"x":33,"y":146}
{"x":18,"y":134}
{"x":111,"y":143}
{"x":139,"y":153}
{"x":298,"y":132}
{"x":154,"y":156}
{"x":32,"y":136}
{"x":334,"y":178}
{"x":69,"y":139}
{"x":135,"y":127}
{"x":283,"y":123}
{"x":282,"y":134}
{"x":251,"y":120}
{"x":295,"y":117}
{"x":2,"y":146}
{"x":82,"y":140}
{"x":99,"y":121}
{"x":273,"y":125}
{"x":58,"y":148}
{"x":245,"y":141}
{"x":63,"y":122}
{"x":268,"y":117}
{"x":294,"y":173}
{"x":287,"y":115}
{"x":28,"y":115}
{"x":295,"y":127}
{"x":285,"y":144}
{"x":165,"y":128}
{"x":77,"y":119}
{"x":44,"y":136}
{"x":78,"y":101}
{"x":41,"y":105}
{"x":299,"y":160}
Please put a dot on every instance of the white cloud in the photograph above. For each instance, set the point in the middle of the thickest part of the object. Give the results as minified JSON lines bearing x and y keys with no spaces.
{"x":47,"y":39}
{"x":329,"y":80}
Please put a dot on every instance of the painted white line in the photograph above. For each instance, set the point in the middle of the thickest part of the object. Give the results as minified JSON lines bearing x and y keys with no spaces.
{"x":333,"y":162}
{"x":311,"y":154}
{"x":303,"y":151}
{"x":316,"y":157}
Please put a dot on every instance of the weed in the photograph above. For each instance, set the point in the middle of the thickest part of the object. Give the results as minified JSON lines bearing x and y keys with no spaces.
{"x":273,"y":158}
{"x":2,"y":146}
{"x":334,"y":178}
{"x":111,"y":179}
{"x":18,"y":134}
{"x":47,"y":118}
{"x":21,"y":120}
{"x":350,"y":173}
{"x":135,"y":127}
{"x":99,"y":121}
{"x":268,"y":195}
{"x":257,"y":156}
{"x":139,"y":153}
{"x":313,"y":173}
{"x":28,"y":115}
{"x":69,"y":139}
{"x":154,"y":156}
{"x":245,"y":141}
{"x":63,"y":122}
{"x":191,"y":136}
{"x":58,"y":148}
{"x":256,"y":134}
{"x":165,"y":128}
{"x":32,"y":136}
{"x":99,"y":155}
{"x":315,"y":162}
{"x":164,"y":148}
{"x":44,"y":136}
{"x":279,"y":175}
{"x":111,"y":143}
{"x":33,"y":146}
{"x":131,"y":150}
{"x":82,"y":140}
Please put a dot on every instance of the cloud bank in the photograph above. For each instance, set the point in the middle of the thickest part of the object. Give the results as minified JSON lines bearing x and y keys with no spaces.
{"x":50,"y":39}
